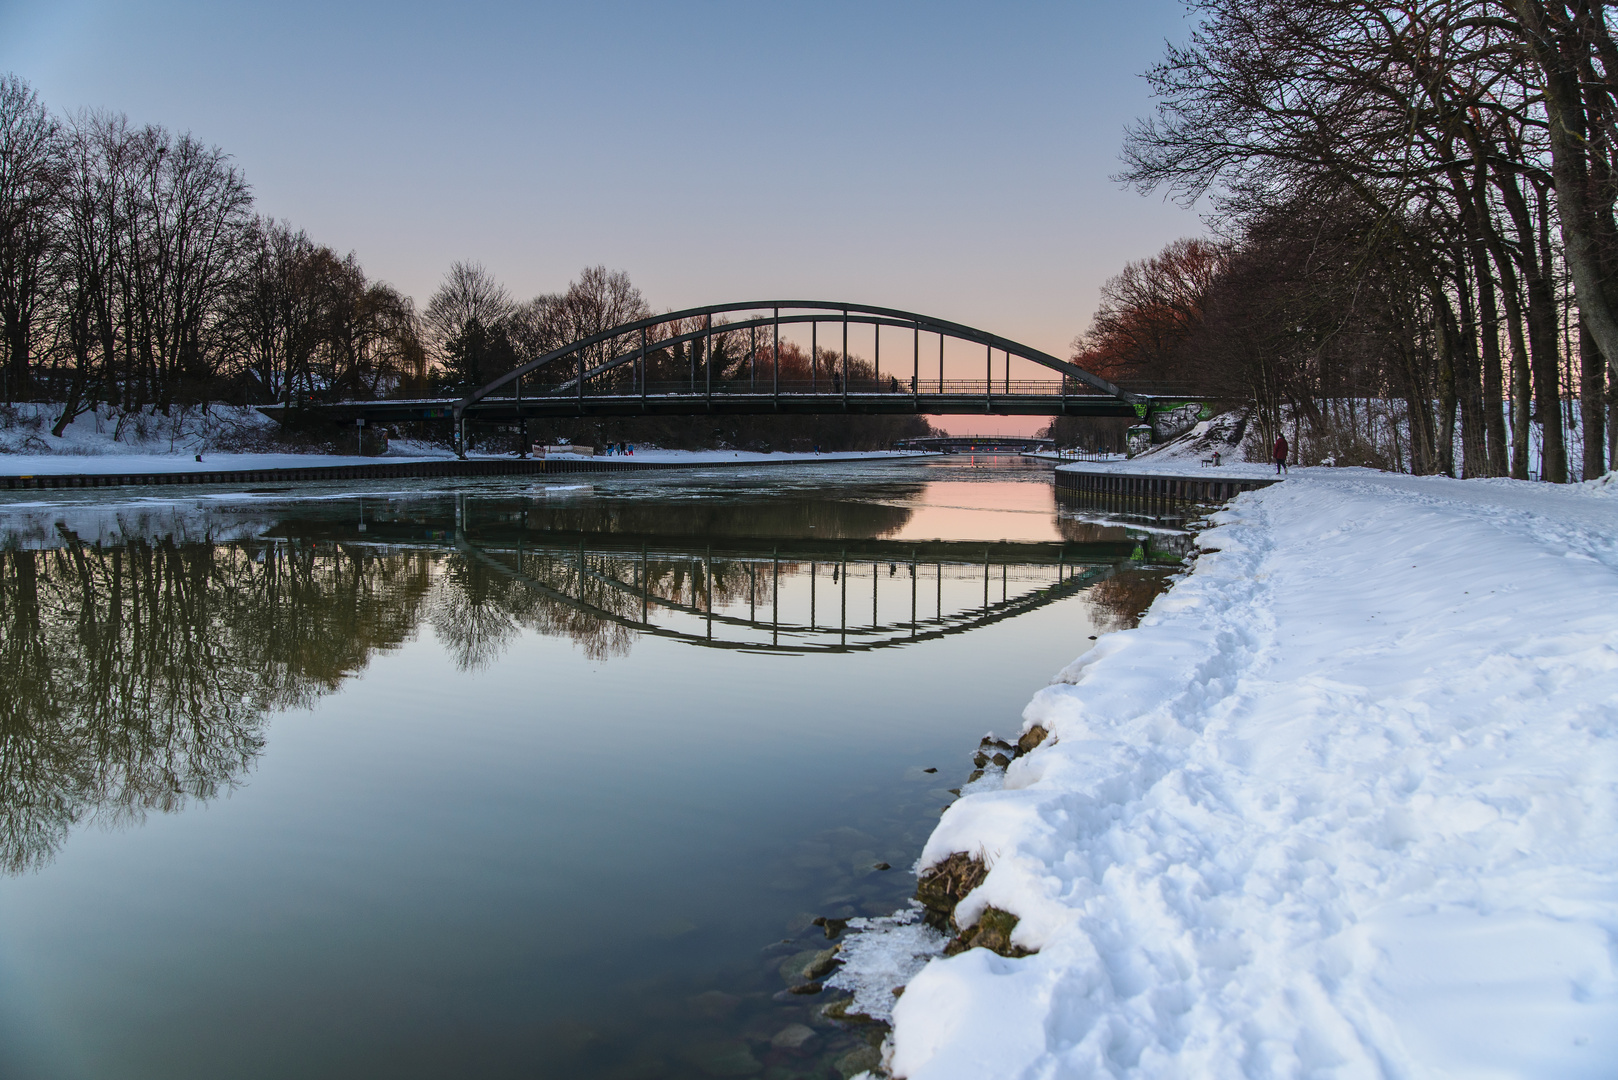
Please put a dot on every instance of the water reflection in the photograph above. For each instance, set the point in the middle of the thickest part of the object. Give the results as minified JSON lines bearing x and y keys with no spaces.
{"x":140,"y":668}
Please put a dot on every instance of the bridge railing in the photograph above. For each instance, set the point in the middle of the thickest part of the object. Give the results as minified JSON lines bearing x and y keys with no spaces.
{"x":763,"y":385}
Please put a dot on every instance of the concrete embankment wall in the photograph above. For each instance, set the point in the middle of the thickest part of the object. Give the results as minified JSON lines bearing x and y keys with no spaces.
{"x":1155,"y":489}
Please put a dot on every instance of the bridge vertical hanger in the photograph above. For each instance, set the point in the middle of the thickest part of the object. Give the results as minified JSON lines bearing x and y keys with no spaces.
{"x":752,"y":359}
{"x":580,"y":356}
{"x":643,"y":368}
{"x":845,"y":359}
{"x":988,"y":379}
{"x":814,"y":349}
{"x":777,"y":389}
{"x":915,"y":371}
{"x":522,"y":424}
{"x":707,"y":361}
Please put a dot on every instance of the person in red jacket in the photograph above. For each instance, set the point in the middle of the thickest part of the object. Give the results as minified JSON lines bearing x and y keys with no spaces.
{"x":1280,"y":454}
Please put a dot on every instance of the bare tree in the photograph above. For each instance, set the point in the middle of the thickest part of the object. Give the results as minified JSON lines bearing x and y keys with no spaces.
{"x":30,"y":179}
{"x":468,"y":293}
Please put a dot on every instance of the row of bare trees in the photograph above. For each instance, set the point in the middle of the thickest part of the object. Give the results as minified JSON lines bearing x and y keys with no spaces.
{"x":1417,"y":254}
{"x":133,"y":271}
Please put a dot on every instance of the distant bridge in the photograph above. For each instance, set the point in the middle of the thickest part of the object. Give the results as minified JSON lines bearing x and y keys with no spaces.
{"x":977,"y":444}
{"x":735,"y":368}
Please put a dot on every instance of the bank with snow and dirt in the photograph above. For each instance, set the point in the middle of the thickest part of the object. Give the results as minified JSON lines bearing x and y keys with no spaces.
{"x":1344,"y":804}
{"x":237,"y":444}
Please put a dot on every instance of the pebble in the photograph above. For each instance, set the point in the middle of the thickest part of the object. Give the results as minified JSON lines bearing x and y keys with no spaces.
{"x":808,"y":965}
{"x":714,"y":1004}
{"x":861,"y":1060}
{"x":794,"y":1037}
{"x":723,"y":1059}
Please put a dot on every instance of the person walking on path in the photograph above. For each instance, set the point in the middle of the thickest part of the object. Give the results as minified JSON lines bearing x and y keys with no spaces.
{"x":1280,"y":454}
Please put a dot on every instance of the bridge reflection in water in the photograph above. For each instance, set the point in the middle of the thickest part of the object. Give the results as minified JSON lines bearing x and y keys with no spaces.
{"x":848,"y":597}
{"x":742,"y":577}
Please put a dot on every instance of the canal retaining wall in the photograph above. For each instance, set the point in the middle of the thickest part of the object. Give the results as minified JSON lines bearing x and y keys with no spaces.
{"x":1154,"y":489}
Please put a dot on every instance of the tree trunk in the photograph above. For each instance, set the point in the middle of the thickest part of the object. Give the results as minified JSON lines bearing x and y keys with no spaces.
{"x":1522,"y":393}
{"x":1494,"y":405}
{"x":1462,"y":335}
{"x":1545,"y":356}
{"x":1446,"y":387}
{"x":1592,"y":403}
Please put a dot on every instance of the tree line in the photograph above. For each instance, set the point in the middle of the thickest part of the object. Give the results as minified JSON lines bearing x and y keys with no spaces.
{"x":1415,"y":257}
{"x":136,"y":274}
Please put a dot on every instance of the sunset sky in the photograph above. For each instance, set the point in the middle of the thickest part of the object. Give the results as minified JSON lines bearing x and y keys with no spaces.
{"x":952,"y":159}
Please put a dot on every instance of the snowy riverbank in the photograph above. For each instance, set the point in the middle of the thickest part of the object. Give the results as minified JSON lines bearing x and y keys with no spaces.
{"x":110,"y":464}
{"x":231,"y":438}
{"x":1345,"y":804}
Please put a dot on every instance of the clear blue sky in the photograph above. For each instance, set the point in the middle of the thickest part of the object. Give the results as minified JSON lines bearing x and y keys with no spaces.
{"x":948,"y":158}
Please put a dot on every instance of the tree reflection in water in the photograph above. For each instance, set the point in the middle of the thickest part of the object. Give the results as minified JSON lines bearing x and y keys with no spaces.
{"x":139,"y":677}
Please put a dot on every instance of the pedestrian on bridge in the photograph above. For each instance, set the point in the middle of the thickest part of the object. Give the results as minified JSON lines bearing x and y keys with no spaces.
{"x":1280,"y":454}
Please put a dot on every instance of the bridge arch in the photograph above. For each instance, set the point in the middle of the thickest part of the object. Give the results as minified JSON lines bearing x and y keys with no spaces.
{"x":779,"y":313}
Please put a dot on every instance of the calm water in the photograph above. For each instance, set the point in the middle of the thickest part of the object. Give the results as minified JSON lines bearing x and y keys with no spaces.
{"x":504,"y":780}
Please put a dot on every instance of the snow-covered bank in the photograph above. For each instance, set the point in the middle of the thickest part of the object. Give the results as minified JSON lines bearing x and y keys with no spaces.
{"x":104,"y":442}
{"x":166,"y":464}
{"x":1345,"y":804}
{"x":116,"y":464}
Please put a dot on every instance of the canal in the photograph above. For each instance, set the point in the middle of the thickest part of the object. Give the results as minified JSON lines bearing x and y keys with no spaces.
{"x":502,"y":779}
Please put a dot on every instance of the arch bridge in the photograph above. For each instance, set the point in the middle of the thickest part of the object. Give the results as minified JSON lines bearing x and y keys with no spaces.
{"x":730,"y":359}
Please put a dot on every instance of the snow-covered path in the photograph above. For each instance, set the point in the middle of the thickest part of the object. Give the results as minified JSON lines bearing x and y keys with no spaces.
{"x":1344,"y":805}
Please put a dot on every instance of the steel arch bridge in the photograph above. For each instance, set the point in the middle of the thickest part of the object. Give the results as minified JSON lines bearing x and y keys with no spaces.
{"x":610,"y":373}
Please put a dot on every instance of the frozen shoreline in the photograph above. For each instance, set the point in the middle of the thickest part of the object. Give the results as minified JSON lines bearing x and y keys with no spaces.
{"x":1345,"y":803}
{"x":20,"y":465}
